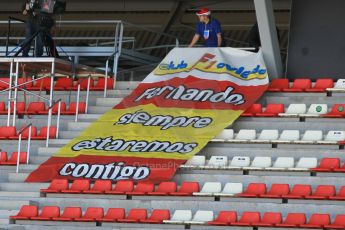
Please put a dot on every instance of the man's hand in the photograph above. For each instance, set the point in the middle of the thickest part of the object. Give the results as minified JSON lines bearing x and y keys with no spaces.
{"x":194,"y":41}
{"x":25,"y":12}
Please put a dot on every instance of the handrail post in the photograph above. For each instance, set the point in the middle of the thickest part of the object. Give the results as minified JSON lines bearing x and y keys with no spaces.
{"x":15,"y":95}
{"x":9,"y":94}
{"x":87,"y":94}
{"x":18,"y":153}
{"x":48,"y":126}
{"x":29,"y":145}
{"x":58,"y":120}
{"x":106,"y":78}
{"x":8,"y":35}
{"x":77,"y":107}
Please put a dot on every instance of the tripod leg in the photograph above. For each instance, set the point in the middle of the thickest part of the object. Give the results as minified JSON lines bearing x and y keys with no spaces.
{"x":27,"y":43}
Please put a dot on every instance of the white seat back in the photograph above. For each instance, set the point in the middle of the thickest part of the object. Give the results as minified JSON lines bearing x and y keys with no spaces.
{"x":289,"y":135}
{"x":182,"y":215}
{"x":312,"y":135}
{"x":226,"y":134}
{"x":296,"y":109}
{"x":269,"y":134}
{"x":211,"y":187}
{"x":340,"y":84}
{"x":240,"y":161}
{"x":284,"y":162}
{"x":307,"y":162}
{"x":203,"y":216}
{"x":196,"y":161}
{"x":262,"y":162}
{"x":232,"y":188}
{"x":317,"y":109}
{"x":218,"y":161}
{"x":335,"y":136}
{"x":246,"y":134}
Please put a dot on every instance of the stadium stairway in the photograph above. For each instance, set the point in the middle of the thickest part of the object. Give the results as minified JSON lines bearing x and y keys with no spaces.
{"x":14,"y":192}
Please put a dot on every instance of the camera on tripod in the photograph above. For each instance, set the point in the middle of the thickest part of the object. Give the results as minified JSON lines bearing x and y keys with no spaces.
{"x":53,"y":6}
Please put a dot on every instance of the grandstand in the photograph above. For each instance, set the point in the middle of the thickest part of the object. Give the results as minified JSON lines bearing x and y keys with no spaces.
{"x":280,"y":165}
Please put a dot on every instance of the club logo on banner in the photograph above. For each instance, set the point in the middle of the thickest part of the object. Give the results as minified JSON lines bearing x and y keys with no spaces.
{"x":185,"y":102}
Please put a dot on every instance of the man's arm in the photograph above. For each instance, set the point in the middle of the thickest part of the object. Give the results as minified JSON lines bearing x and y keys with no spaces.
{"x":194,"y":40}
{"x":220,"y":39}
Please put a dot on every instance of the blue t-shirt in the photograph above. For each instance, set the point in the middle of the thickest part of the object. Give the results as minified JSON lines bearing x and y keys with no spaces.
{"x":209,"y":32}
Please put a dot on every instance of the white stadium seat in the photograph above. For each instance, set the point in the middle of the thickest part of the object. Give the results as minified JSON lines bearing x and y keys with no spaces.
{"x":269,"y":134}
{"x":201,"y":217}
{"x":240,"y":161}
{"x":231,"y":189}
{"x":317,"y":109}
{"x":196,"y":161}
{"x":226,"y":134}
{"x":283,"y":163}
{"x":335,"y":136}
{"x":246,"y":134}
{"x":180,"y":216}
{"x":296,"y":109}
{"x":209,"y":188}
{"x":218,"y":161}
{"x":312,"y":135}
{"x":261,"y":162}
{"x":305,"y":163}
{"x":340,"y":84}
{"x":289,"y":135}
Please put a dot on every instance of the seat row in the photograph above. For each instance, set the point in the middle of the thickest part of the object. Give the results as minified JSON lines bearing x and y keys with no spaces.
{"x":286,"y":136}
{"x":61,"y":84}
{"x":170,"y":188}
{"x":265,"y":163}
{"x":10,"y":133}
{"x":296,"y":110}
{"x":39,"y":108}
{"x":5,"y":160}
{"x":186,"y":217}
{"x":304,"y":85}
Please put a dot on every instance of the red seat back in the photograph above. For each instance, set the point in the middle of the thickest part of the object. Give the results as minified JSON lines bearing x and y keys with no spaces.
{"x":43,"y":83}
{"x":341,"y":192}
{"x":319,"y":219}
{"x":281,"y":83}
{"x":2,"y":106}
{"x":44,"y":131}
{"x":144,"y":187}
{"x":102,"y":185}
{"x":72,"y":212}
{"x":4,"y":82}
{"x":160,"y":215}
{"x":338,"y":109}
{"x":324,"y":83}
{"x":254,"y":109}
{"x":189,"y":187}
{"x":36,"y":107}
{"x":22,"y":81}
{"x":50,"y":212}
{"x":301,"y":84}
{"x":3,"y":157}
{"x":83,"y":82}
{"x":28,"y":211}
{"x":55,"y":107}
{"x":279,"y":189}
{"x":274,"y":108}
{"x":227,"y":216}
{"x":256,"y":189}
{"x":272,"y":218}
{"x":325,"y":190}
{"x":20,"y":106}
{"x":137,"y":214}
{"x":329,"y":163}
{"x":124,"y":186}
{"x":339,"y":220}
{"x":94,"y":213}
{"x":22,"y":158}
{"x":59,"y":184}
{"x":64,"y":82}
{"x":73,"y":107}
{"x":7,"y":131}
{"x":80,"y":185}
{"x":250,"y":217}
{"x":295,"y":218}
{"x":115,"y":213}
{"x":166,"y":187}
{"x":301,"y":190}
{"x":101,"y":83}
{"x":25,"y":133}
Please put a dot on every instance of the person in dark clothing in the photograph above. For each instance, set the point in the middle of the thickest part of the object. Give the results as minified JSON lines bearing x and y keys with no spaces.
{"x":254,"y":37}
{"x":209,"y":28}
{"x":31,"y":27}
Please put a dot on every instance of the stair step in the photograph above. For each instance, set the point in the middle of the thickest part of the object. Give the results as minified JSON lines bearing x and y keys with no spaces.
{"x":111,"y":102}
{"x":12,"y":203}
{"x":19,"y":194}
{"x":99,"y":109}
{"x":69,"y":134}
{"x":47,"y":151}
{"x":59,"y":142}
{"x":78,"y":126}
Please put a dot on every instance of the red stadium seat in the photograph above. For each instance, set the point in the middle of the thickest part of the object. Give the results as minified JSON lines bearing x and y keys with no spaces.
{"x":34,"y":108}
{"x":327,"y":165}
{"x":157,"y":216}
{"x":55,"y":109}
{"x":73,"y":108}
{"x":6,"y":132}
{"x":69,"y":214}
{"x":322,"y":192}
{"x":83,"y":84}
{"x":338,"y":111}
{"x":252,"y":110}
{"x":270,"y":219}
{"x":101,"y":84}
{"x":78,"y":186}
{"x":3,"y":109}
{"x":56,"y":186}
{"x":99,"y":187}
{"x":272,"y":110}
{"x":122,"y":187}
{"x":277,"y":191}
{"x":224,"y":218}
{"x":164,"y":188}
{"x":43,"y":133}
{"x":23,"y":80}
{"x":26,"y":212}
{"x":248,"y":219}
{"x":113,"y":215}
{"x":3,"y":157}
{"x":321,"y":85}
{"x":25,"y":133}
{"x":62,"y":84}
{"x":338,"y":223}
{"x":48,"y":213}
{"x":14,"y":157}
{"x":293,"y":220}
{"x":253,"y":190}
{"x":134,"y":215}
{"x":142,"y":188}
{"x":299,"y":85}
{"x":341,"y":169}
{"x":4,"y":83}
{"x":186,"y":189}
{"x":20,"y":106}
{"x":40,"y":84}
{"x":317,"y":221}
{"x":299,"y":191}
{"x":277,"y":85}
{"x":340,"y":195}
{"x":91,"y":214}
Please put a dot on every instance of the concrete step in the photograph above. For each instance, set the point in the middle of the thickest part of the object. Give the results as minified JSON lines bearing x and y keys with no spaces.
{"x":22,"y":186}
{"x":126,"y":85}
{"x":89,"y":117}
{"x":13,"y":203}
{"x":38,"y":159}
{"x":99,"y":109}
{"x":58,"y":142}
{"x":69,"y":134}
{"x":111,"y":102}
{"x":19,"y":194}
{"x":47,"y":151}
{"x":78,"y":126}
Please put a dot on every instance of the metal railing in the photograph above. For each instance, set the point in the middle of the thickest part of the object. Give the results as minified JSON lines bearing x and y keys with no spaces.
{"x":28,"y":145}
